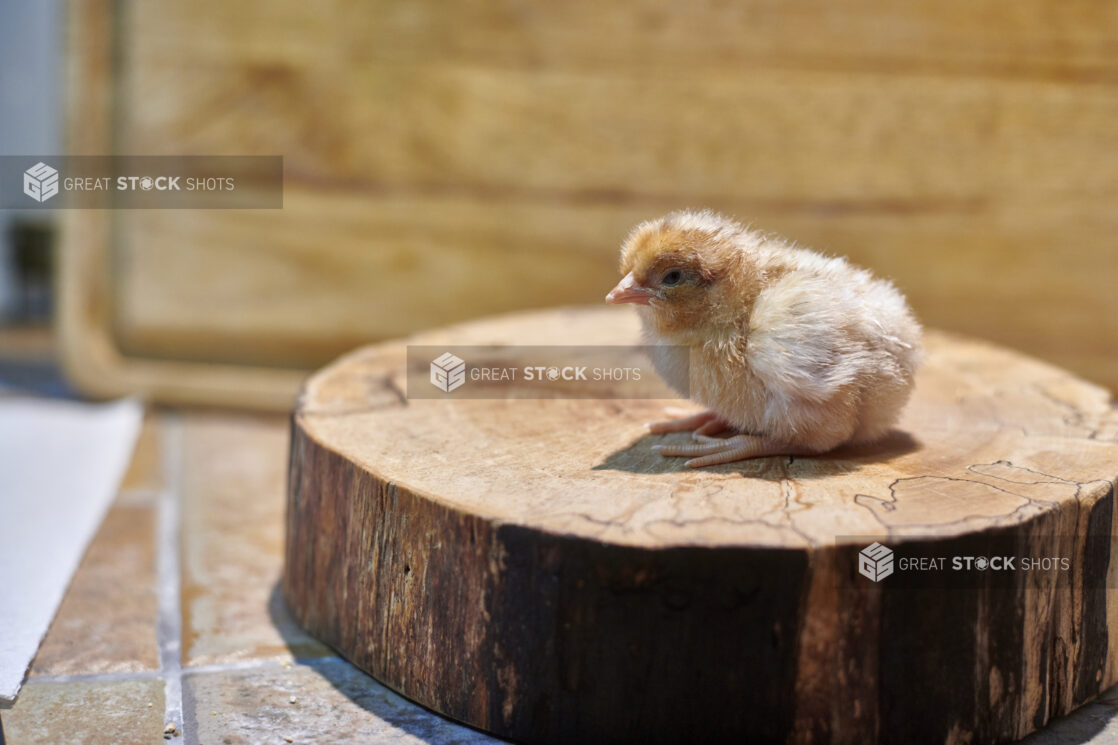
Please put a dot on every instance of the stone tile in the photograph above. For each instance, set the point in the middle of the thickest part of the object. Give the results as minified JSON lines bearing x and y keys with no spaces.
{"x":233,"y":504}
{"x":106,"y":621}
{"x":334,"y":703}
{"x":91,"y":713}
{"x":145,"y":472}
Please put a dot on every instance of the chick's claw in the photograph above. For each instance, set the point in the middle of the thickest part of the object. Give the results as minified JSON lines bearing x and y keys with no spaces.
{"x":729,"y":450}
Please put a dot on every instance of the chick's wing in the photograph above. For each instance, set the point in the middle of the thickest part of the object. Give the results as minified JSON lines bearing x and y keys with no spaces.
{"x":802,"y":340}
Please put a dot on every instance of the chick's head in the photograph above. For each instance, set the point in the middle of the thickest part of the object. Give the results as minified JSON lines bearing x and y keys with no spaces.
{"x":687,"y":274}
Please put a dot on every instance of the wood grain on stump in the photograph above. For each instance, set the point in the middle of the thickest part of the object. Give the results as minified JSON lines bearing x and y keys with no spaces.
{"x":532,"y":568}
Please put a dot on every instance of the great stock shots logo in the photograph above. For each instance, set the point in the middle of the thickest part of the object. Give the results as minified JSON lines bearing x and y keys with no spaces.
{"x":875,"y":562}
{"x":57,"y":182}
{"x":915,"y":564}
{"x":448,"y":372}
{"x":508,"y":371}
{"x":40,"y":182}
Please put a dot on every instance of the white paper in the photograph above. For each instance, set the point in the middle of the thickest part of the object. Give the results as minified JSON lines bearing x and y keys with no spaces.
{"x":61,"y":464}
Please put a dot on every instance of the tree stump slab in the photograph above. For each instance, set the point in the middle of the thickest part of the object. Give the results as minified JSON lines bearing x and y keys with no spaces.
{"x":533,"y":569}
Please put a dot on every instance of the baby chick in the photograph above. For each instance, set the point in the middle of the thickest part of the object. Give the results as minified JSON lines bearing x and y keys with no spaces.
{"x":796,"y":352}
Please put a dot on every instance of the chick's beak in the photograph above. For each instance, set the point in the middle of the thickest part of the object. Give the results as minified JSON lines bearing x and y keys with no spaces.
{"x":628,"y":290}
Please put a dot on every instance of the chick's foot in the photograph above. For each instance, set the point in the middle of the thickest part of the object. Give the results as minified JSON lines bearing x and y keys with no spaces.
{"x":716,"y":451}
{"x":703,"y":423}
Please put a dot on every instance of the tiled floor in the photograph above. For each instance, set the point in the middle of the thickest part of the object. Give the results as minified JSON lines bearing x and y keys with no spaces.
{"x":175,"y":617}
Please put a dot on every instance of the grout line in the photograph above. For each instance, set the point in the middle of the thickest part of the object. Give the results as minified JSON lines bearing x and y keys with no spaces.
{"x":262,"y":664}
{"x":168,"y":574}
{"x":259,"y":664}
{"x":95,"y":677}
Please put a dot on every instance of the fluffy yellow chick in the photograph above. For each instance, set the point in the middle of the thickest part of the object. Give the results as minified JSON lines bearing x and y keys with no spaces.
{"x":796,"y":352}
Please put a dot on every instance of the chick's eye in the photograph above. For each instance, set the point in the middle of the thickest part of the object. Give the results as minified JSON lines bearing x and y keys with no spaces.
{"x":672,"y":278}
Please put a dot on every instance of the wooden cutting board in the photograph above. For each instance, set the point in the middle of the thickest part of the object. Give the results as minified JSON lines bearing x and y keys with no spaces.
{"x":532,"y":568}
{"x":446,"y":162}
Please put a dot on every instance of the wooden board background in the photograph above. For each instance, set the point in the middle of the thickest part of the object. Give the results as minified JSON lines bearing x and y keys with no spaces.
{"x":448,"y":161}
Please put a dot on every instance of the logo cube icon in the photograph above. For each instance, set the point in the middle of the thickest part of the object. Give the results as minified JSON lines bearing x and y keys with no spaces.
{"x":448,"y":372}
{"x":40,"y":182}
{"x":875,"y":562}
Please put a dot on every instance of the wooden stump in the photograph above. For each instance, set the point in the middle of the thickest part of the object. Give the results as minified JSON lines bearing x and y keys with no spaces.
{"x":531,"y":568}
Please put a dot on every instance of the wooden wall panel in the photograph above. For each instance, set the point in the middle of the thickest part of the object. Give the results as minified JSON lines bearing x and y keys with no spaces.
{"x":450,"y":161}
